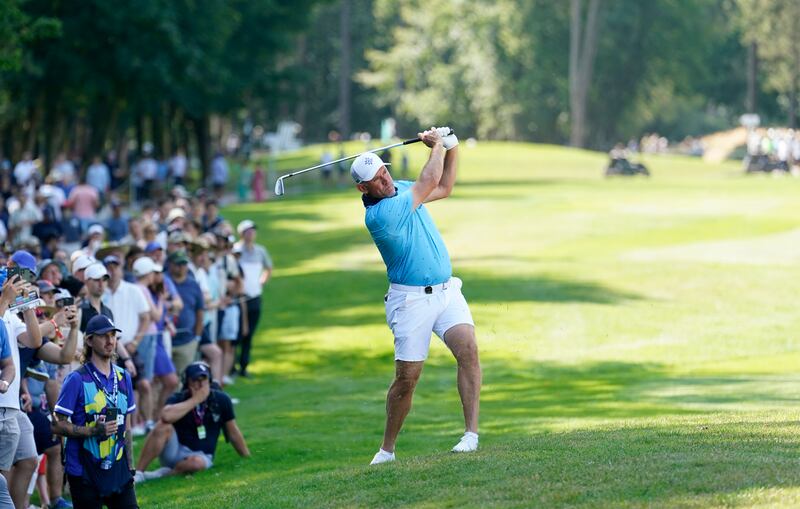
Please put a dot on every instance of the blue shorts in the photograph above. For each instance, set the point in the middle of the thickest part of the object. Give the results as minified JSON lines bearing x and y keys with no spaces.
{"x":229,"y":324}
{"x":145,"y":356}
{"x":162,"y":364}
{"x":174,"y":452}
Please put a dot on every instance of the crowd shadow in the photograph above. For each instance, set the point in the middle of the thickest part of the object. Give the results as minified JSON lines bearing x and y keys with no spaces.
{"x":354,"y":297}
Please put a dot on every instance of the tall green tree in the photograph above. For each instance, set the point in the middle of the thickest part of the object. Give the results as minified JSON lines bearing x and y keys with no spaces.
{"x":442,"y":66}
{"x":774,"y":27}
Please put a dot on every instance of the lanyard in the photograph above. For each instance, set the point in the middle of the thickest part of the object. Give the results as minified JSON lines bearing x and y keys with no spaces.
{"x":112,"y":398}
{"x":198,"y":413}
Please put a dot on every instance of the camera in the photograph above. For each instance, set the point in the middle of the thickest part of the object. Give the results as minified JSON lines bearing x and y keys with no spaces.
{"x":66,"y":301}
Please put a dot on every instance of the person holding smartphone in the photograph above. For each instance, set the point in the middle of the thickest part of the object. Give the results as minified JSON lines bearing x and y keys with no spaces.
{"x":93,"y":412}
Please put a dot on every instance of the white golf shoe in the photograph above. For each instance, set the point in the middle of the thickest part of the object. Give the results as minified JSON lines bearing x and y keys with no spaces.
{"x":382,"y":457}
{"x":468,"y":443}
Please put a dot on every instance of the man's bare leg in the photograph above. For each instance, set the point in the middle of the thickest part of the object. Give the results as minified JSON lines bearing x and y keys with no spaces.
{"x":398,"y":400}
{"x":154,"y":444}
{"x":462,"y":343}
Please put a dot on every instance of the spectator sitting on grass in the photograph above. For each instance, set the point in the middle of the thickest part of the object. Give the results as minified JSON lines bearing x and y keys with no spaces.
{"x":185,"y":437}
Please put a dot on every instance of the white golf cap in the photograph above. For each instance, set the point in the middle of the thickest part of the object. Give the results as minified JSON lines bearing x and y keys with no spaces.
{"x":176,"y":213}
{"x":96,"y":229}
{"x":76,"y":254}
{"x":244,"y":226}
{"x":81,"y":263}
{"x":144,"y":266}
{"x":365,"y":167}
{"x":96,"y":270}
{"x":62,"y":293}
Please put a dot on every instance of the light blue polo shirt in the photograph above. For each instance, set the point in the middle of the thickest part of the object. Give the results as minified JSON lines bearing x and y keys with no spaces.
{"x":410,"y":244}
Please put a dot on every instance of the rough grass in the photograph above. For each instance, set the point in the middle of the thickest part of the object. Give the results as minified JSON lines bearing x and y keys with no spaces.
{"x":638,"y":340}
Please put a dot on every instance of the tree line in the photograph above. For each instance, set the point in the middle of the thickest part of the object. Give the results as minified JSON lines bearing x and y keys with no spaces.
{"x":84,"y":76}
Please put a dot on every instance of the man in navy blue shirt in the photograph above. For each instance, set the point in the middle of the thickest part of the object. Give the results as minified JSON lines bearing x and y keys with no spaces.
{"x":185,"y":439}
{"x":423,"y":297}
{"x":189,"y":326}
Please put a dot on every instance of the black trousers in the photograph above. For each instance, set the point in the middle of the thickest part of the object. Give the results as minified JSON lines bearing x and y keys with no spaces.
{"x":85,"y":497}
{"x":246,"y":341}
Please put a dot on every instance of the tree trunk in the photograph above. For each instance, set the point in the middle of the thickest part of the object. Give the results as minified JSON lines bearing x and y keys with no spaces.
{"x":345,"y":71}
{"x":582,"y":51}
{"x":140,"y":133}
{"x":752,"y":70}
{"x":157,"y":121}
{"x":201,"y":132}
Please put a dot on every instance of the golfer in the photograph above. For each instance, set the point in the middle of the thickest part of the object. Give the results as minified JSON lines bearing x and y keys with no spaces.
{"x":423,"y":296}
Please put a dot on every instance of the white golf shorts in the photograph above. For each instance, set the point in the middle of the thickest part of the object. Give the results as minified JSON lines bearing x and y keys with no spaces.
{"x":413,"y":315}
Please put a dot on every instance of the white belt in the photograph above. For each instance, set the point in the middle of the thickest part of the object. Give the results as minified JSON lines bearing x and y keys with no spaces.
{"x":421,"y":289}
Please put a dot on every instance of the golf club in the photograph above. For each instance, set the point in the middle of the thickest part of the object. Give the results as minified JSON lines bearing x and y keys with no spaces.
{"x":279,"y":189}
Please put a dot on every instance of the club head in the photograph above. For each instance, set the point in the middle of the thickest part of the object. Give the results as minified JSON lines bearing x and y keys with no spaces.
{"x":279,"y":187}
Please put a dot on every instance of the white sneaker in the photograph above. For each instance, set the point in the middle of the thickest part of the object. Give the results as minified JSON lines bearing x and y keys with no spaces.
{"x":468,"y":443}
{"x":382,"y":457}
{"x":157,"y":473}
{"x":139,"y":477}
{"x":226,"y":380}
{"x":139,"y":430}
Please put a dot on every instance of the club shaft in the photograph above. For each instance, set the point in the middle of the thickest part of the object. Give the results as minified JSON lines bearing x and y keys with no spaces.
{"x":387,"y":147}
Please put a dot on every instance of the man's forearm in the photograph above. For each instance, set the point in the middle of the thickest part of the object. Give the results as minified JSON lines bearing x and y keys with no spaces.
{"x":449,"y":171}
{"x":7,"y":370}
{"x":129,"y":442}
{"x":70,"y":346}
{"x":432,"y":171}
{"x":32,"y":337}
{"x":173,"y":413}
{"x":144,"y":324}
{"x":237,"y":440}
{"x":198,"y":323}
{"x":66,"y":429}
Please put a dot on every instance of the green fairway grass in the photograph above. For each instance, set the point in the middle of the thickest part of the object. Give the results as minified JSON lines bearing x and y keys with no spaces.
{"x":638,"y":341}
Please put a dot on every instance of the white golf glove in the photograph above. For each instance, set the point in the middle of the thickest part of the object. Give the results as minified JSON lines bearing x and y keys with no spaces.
{"x":449,"y":140}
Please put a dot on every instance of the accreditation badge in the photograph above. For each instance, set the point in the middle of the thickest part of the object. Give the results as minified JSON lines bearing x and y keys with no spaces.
{"x":201,"y":432}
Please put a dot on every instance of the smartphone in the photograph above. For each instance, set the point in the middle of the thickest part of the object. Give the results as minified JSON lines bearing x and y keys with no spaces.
{"x":25,"y":274}
{"x":66,"y":301}
{"x":111,"y":414}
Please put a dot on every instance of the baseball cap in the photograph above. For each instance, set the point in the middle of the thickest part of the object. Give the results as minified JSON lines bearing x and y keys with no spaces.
{"x":81,"y":263}
{"x":178,"y":257}
{"x":61,"y":293}
{"x":45,"y":286}
{"x":244,"y":226}
{"x":152,"y":246}
{"x":144,"y":266}
{"x":111,"y":259}
{"x":44,"y":264}
{"x":24,"y":259}
{"x":175,"y":214}
{"x":96,"y":271}
{"x":365,"y":167}
{"x":197,"y":370}
{"x":177,"y":236}
{"x":100,"y":324}
{"x":96,"y":229}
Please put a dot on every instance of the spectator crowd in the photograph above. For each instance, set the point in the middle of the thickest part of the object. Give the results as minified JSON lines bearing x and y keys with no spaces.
{"x":118,"y":317}
{"x":773,"y":150}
